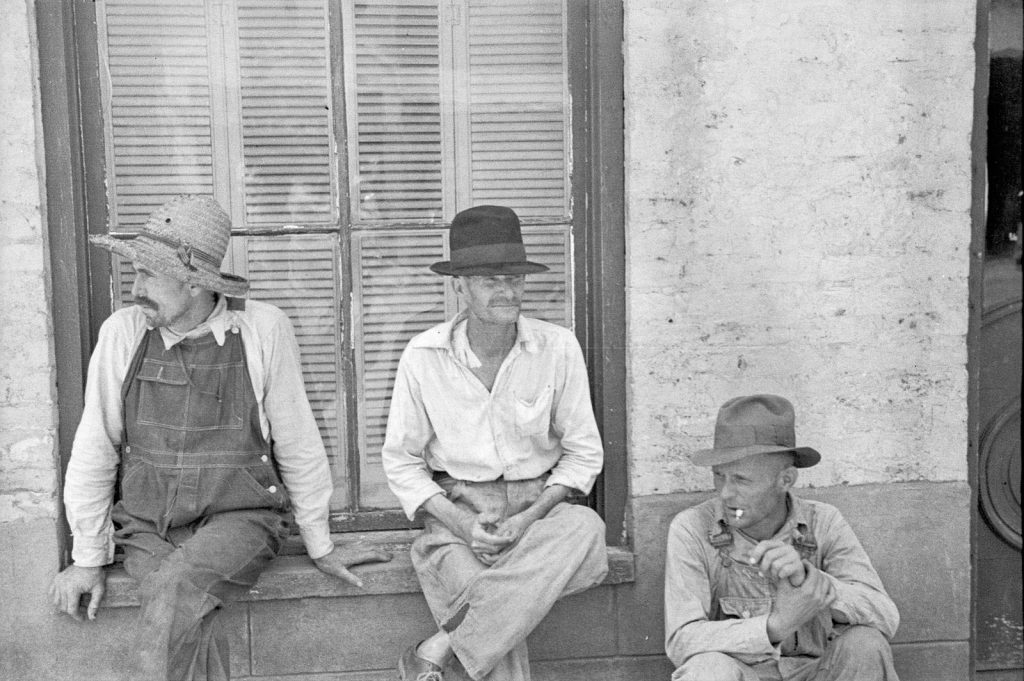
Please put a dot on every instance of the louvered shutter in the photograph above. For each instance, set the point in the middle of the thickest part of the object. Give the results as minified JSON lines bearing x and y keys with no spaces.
{"x":517,"y":94}
{"x":284,"y":92}
{"x":395,"y":136}
{"x":398,"y":297}
{"x":159,"y":120}
{"x":299,"y":275}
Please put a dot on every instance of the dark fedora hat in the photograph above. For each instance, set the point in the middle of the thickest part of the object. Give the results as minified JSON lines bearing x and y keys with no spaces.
{"x":755,"y":424}
{"x":486,"y":240}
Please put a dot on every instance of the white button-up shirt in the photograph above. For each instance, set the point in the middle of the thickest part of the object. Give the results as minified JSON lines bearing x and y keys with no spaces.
{"x":537,"y":418}
{"x":272,"y":356}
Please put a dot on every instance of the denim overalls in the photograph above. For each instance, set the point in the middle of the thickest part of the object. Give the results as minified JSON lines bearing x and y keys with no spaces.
{"x":202,"y":508}
{"x":740,"y":590}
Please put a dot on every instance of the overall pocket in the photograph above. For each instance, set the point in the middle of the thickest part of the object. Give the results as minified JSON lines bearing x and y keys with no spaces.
{"x":211,"y":400}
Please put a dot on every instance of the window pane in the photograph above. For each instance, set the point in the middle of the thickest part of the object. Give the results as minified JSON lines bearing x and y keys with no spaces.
{"x":394,"y":76}
{"x":517,"y":94}
{"x":285,"y":102}
{"x":159,"y":115}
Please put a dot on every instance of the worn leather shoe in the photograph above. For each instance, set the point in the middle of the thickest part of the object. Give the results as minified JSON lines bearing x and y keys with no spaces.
{"x":412,"y":667}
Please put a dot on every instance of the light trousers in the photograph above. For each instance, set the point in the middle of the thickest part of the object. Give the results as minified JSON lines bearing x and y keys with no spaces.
{"x":489,"y":611}
{"x":858,"y":654}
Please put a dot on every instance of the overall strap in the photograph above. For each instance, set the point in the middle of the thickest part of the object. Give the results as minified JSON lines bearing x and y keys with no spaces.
{"x":133,"y":369}
{"x":720,"y":537}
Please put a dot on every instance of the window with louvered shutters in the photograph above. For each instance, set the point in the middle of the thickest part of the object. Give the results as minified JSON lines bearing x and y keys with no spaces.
{"x":437,"y":105}
{"x":234,"y":99}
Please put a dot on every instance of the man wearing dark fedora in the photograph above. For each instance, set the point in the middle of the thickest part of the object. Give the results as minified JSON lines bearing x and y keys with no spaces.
{"x":490,"y":430}
{"x":761,"y":584}
{"x":196,"y":412}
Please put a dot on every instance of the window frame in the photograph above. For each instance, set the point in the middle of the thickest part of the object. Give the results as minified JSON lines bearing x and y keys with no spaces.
{"x":74,"y":158}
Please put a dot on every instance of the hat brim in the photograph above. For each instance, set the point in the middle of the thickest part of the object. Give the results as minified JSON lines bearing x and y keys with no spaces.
{"x":161,"y":259}
{"x":525,"y":267}
{"x":804,"y":457}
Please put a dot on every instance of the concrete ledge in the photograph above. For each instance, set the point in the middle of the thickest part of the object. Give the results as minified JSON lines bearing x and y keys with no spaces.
{"x":295,"y":576}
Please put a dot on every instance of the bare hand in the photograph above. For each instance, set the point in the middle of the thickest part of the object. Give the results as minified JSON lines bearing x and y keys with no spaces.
{"x":778,"y":560}
{"x":69,"y":585}
{"x":515,"y":526}
{"x":481,"y":533}
{"x":795,"y":605}
{"x":341,"y":558}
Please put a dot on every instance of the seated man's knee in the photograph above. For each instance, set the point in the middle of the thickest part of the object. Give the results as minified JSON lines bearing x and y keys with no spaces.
{"x":709,"y":667}
{"x":583,"y":521}
{"x":859,"y":645}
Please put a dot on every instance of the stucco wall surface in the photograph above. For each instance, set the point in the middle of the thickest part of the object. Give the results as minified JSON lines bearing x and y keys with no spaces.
{"x":27,"y":406}
{"x":797,"y":194}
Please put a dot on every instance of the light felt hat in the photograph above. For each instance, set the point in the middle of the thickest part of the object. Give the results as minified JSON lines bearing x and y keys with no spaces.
{"x":186,"y":238}
{"x":486,"y":240}
{"x":755,"y":424}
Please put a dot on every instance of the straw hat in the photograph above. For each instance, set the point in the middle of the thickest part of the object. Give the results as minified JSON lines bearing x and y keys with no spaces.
{"x":755,"y":424}
{"x":186,"y":239}
{"x":486,"y":240}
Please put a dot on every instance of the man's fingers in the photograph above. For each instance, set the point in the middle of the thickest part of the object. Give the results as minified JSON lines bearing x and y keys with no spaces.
{"x":761,"y":548}
{"x":348,"y":576}
{"x":96,"y":595}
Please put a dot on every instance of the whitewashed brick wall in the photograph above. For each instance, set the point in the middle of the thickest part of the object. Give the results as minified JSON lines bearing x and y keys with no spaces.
{"x":798,"y":191}
{"x":27,"y":409}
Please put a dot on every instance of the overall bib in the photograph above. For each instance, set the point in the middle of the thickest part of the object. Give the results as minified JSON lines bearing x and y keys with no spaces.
{"x":202,"y":508}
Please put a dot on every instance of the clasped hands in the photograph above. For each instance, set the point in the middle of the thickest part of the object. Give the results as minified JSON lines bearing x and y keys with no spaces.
{"x":802,"y":590}
{"x":488,"y":534}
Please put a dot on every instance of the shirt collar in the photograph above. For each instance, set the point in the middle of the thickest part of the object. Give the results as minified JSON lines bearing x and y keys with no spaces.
{"x":217,"y":323}
{"x":452,"y":336}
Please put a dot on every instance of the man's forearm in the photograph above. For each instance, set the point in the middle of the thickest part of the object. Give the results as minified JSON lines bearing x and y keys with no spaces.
{"x":548,"y":499}
{"x":454,"y":518}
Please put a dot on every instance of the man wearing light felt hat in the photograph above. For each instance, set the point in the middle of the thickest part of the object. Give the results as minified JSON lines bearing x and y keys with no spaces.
{"x":490,"y":430}
{"x":195,"y":409}
{"x":761,"y":584}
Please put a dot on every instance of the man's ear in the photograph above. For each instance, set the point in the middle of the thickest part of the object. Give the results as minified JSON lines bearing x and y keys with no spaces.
{"x":788,"y":476}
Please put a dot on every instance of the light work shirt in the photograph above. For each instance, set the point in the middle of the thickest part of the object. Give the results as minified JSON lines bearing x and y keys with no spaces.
{"x":711,"y":607}
{"x":272,"y":356}
{"x":537,"y":417}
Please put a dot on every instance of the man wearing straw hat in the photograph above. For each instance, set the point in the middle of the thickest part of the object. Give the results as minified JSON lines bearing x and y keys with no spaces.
{"x":490,"y":430}
{"x":760,"y":584}
{"x":195,"y":409}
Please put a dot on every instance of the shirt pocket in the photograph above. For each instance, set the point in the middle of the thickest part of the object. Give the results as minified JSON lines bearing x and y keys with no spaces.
{"x":745,"y":607}
{"x":533,"y":413}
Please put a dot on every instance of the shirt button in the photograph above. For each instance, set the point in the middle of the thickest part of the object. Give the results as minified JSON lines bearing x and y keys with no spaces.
{"x":264,"y":458}
{"x":272,"y":489}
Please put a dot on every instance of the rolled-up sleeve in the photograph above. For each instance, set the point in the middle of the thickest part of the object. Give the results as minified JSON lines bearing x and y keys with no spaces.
{"x":573,"y":421}
{"x":298,"y":448}
{"x":688,"y":629}
{"x":408,"y":432}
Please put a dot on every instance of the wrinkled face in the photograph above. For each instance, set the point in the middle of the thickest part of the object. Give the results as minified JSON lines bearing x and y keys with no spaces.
{"x":757,"y":486}
{"x":493,"y":299}
{"x":163,"y":299}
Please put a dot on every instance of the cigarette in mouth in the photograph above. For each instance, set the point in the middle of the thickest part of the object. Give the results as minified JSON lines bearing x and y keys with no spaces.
{"x":739,"y":513}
